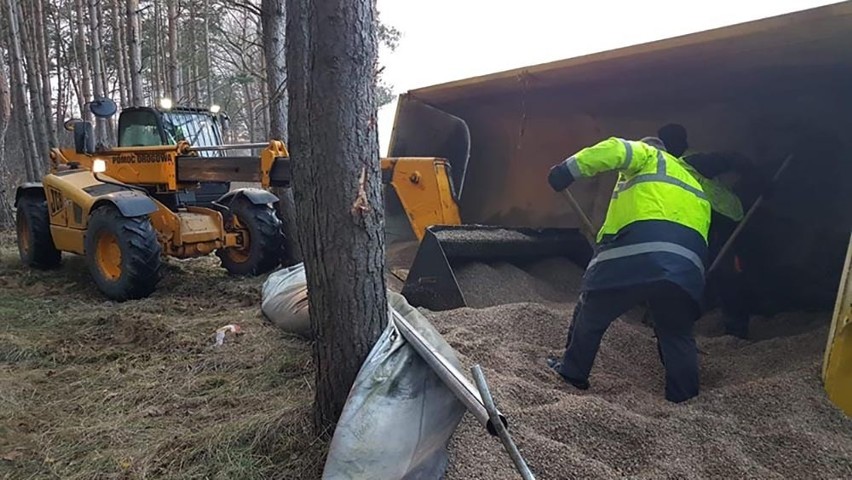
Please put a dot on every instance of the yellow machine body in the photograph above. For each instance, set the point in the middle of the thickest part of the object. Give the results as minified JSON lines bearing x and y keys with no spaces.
{"x":425,"y":190}
{"x":837,"y":363}
{"x":423,"y":185}
{"x":73,"y":194}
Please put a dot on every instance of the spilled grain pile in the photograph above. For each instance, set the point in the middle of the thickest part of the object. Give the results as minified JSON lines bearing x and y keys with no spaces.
{"x":552,"y":281}
{"x":762,"y":412}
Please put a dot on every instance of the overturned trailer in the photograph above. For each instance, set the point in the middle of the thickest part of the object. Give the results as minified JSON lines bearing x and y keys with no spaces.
{"x":766,"y":89}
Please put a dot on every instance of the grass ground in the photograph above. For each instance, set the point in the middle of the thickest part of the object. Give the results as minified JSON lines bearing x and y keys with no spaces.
{"x":94,"y":389}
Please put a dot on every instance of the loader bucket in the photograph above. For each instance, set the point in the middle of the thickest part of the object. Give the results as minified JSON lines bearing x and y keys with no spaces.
{"x":431,"y":282}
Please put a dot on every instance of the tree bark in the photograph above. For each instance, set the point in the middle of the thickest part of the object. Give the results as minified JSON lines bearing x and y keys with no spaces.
{"x":109,"y":131}
{"x":26,"y":31}
{"x":249,"y":112}
{"x":61,"y":57}
{"x":174,"y":77}
{"x":208,"y":72}
{"x":156,"y":91}
{"x":125,"y":56}
{"x":120,"y":52}
{"x":5,"y":104}
{"x":85,"y":70}
{"x":192,"y":60}
{"x":97,"y":75}
{"x":6,"y":216}
{"x":32,"y":161}
{"x":42,"y":53}
{"x":331,"y":64}
{"x":273,"y":24}
{"x":135,"y":53}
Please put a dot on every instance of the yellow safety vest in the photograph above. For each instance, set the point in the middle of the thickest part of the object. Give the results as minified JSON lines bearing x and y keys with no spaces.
{"x":721,"y":199}
{"x":652,"y":185}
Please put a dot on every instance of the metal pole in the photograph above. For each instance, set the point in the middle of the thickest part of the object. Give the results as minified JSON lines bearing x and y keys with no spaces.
{"x":452,"y":378}
{"x":757,"y":203}
{"x":502,"y":432}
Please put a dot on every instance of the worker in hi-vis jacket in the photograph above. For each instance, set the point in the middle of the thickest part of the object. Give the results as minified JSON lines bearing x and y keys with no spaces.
{"x":651,"y":248}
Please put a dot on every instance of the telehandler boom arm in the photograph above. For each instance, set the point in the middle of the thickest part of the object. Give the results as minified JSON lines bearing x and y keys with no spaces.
{"x":422,"y":184}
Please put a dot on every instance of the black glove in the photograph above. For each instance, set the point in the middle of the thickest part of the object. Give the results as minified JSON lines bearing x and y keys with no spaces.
{"x":560,"y":177}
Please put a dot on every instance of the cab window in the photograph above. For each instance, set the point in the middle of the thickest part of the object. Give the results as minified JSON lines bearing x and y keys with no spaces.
{"x":139,"y":129}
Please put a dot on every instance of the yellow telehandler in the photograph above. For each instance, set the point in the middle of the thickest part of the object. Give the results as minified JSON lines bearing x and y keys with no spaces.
{"x":164,"y":191}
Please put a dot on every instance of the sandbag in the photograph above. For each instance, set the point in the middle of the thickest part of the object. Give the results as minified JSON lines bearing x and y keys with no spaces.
{"x":399,"y":416}
{"x":284,"y":300}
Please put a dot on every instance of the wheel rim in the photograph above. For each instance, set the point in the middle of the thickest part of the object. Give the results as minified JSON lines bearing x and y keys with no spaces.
{"x":108,"y":255}
{"x":240,"y":255}
{"x":23,"y":235}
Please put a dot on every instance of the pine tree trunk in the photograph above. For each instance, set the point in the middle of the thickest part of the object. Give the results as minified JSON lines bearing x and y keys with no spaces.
{"x":331,"y":65}
{"x":109,"y":130}
{"x":118,"y":44}
{"x":273,"y":24}
{"x":156,"y":62}
{"x":32,"y":161}
{"x":6,"y":216}
{"x":264,"y":103}
{"x":76,"y":63}
{"x":192,"y":59}
{"x":61,"y":57}
{"x":249,"y":112}
{"x":135,"y":53}
{"x":27,"y":31}
{"x":125,"y":56}
{"x":208,"y":74}
{"x":174,"y":77}
{"x":42,"y":53}
{"x":83,"y":57}
{"x":5,"y":105}
{"x":97,"y":75}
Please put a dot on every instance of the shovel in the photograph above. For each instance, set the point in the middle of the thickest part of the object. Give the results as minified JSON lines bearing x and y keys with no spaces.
{"x":757,"y":203}
{"x":585,"y":224}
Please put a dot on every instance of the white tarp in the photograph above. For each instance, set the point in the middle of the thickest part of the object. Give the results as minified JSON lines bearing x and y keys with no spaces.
{"x":399,"y":416}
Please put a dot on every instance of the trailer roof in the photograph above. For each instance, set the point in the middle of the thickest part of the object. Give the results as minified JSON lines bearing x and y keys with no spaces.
{"x":817,"y":38}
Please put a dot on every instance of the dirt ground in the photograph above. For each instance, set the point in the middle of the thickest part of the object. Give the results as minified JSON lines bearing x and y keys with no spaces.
{"x":762,"y":412}
{"x":94,"y":389}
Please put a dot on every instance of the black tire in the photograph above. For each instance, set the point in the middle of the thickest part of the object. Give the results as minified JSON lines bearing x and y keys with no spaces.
{"x":263,"y":231}
{"x":137,"y":270}
{"x":35,"y":244}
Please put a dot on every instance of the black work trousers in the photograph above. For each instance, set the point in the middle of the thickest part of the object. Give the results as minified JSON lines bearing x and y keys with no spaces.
{"x":674,"y":313}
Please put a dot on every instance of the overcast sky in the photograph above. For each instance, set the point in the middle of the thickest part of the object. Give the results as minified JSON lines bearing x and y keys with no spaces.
{"x":445,"y":40}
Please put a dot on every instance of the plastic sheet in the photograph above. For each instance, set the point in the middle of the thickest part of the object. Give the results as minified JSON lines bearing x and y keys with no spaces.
{"x":399,"y":416}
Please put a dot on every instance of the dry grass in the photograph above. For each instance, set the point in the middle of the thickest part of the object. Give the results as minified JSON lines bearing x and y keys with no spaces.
{"x":94,"y":389}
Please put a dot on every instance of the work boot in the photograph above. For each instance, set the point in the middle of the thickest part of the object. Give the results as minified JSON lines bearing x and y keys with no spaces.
{"x":556,"y":366}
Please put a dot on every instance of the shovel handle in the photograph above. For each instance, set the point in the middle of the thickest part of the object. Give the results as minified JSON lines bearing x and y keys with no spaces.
{"x":585,"y":224}
{"x":736,"y":233}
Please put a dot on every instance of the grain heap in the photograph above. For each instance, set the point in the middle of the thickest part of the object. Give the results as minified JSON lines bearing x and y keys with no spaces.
{"x":762,"y":412}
